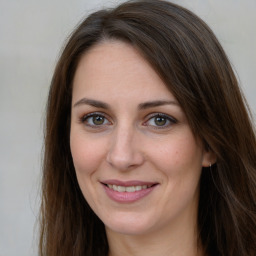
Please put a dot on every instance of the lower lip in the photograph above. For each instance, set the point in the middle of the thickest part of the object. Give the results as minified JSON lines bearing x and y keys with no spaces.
{"x":127,"y":197}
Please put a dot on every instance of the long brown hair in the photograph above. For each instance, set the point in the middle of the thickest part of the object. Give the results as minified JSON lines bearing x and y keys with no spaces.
{"x":187,"y":56}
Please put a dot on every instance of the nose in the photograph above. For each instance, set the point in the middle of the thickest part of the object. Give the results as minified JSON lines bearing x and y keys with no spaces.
{"x":125,"y":150}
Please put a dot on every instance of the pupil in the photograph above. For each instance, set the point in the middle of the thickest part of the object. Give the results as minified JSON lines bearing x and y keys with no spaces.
{"x":160,"y":121}
{"x":98,"y":120}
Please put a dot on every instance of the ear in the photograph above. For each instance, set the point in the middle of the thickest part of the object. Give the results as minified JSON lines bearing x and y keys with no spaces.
{"x":209,"y":158}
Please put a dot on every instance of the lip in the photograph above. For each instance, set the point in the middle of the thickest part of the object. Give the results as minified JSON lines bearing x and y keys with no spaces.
{"x":128,"y":183}
{"x":128,"y":197}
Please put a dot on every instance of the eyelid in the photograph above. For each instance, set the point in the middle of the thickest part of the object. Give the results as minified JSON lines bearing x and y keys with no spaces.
{"x":171,"y":119}
{"x":83,"y":119}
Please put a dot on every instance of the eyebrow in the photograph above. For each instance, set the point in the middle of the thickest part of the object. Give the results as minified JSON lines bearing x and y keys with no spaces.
{"x":144,"y":105}
{"x":157,"y":103}
{"x":94,"y":103}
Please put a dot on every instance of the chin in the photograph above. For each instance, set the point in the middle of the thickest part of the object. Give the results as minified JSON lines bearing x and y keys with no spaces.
{"x":129,"y":225}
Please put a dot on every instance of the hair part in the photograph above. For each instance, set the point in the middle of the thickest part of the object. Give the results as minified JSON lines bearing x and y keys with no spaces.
{"x":189,"y":59}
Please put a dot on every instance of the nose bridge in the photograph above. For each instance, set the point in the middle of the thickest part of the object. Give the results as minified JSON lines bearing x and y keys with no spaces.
{"x":123,"y":138}
{"x":124,"y":150}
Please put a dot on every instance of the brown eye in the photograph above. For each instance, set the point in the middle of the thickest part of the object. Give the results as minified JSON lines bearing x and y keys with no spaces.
{"x":95,"y":119}
{"x":98,"y":120}
{"x":160,"y":121}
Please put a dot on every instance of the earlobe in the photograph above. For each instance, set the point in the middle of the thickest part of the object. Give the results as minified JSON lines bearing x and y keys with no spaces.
{"x":209,"y":158}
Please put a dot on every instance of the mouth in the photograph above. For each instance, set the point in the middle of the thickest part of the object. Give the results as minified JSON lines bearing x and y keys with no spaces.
{"x":128,"y":192}
{"x":129,"y":189}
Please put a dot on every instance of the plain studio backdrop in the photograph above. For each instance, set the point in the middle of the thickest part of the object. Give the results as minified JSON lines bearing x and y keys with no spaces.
{"x":31,"y":36}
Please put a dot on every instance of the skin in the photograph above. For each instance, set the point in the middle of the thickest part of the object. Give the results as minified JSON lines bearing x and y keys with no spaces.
{"x":126,"y":143}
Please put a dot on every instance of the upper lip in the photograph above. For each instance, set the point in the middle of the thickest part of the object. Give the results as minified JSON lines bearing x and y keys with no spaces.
{"x":128,"y":183}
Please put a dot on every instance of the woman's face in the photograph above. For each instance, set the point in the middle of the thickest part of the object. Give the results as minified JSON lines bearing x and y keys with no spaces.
{"x":137,"y":161}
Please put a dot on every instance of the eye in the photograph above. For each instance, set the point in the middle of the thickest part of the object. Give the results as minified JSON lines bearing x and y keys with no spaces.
{"x":160,"y":120}
{"x":95,"y":119}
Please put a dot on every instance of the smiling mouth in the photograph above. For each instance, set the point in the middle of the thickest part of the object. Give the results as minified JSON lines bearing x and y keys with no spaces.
{"x":128,"y":189}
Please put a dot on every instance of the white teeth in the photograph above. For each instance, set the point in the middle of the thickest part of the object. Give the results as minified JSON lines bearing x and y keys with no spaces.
{"x":130,"y":189}
{"x":127,"y":189}
{"x":120,"y":189}
{"x":137,"y":188}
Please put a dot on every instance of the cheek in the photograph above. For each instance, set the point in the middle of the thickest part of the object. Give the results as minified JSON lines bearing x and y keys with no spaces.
{"x":180,"y":160}
{"x":86,"y":155}
{"x":181,"y":163}
{"x":178,"y":152}
{"x":188,"y":154}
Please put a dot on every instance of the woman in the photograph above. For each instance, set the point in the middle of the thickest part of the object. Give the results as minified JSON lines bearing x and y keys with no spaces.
{"x":149,"y":149}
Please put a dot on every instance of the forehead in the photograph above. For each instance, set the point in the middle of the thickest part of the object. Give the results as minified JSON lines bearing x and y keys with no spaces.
{"x":117,"y":68}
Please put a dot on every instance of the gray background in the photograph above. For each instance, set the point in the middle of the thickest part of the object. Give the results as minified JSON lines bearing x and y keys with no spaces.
{"x":31,"y":36}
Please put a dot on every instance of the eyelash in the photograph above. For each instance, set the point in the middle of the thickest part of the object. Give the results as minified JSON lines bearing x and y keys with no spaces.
{"x":170,"y":120}
{"x":165,"y":118}
{"x":85,"y":119}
